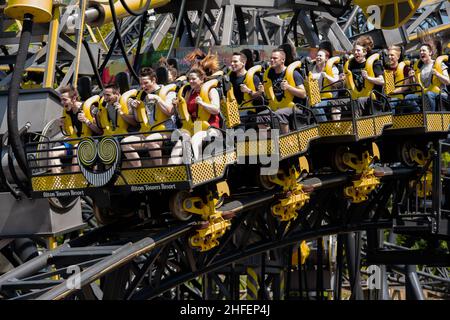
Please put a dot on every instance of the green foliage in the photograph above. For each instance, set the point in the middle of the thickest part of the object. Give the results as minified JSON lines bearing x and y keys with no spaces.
{"x":13,"y":28}
{"x":167,"y":40}
{"x":286,"y":15}
{"x":106,"y":29}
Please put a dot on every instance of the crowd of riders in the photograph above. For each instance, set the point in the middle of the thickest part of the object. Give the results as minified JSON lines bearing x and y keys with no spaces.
{"x":281,"y":93}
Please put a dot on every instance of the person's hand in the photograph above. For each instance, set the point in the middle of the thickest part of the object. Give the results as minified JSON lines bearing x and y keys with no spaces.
{"x":342,"y":77}
{"x":199,"y":100}
{"x":60,"y":122}
{"x":364,"y":74}
{"x":411,"y":73}
{"x":323,"y":74}
{"x":153,"y":97}
{"x":81,"y":117}
{"x":118,"y":108}
{"x":261,"y":88}
{"x":114,"y":99}
{"x":244,"y":88}
{"x":175,"y":101}
{"x":284,"y":85}
{"x":134,"y":103}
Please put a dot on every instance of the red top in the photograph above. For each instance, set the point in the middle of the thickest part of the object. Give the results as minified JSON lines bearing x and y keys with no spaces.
{"x":193,"y":110}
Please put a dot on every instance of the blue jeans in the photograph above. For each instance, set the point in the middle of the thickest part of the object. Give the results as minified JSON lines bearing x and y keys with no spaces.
{"x":319,"y":112}
{"x":430,"y":99}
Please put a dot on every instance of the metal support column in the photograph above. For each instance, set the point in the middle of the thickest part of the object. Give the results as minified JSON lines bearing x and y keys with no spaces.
{"x":319,"y":275}
{"x":308,"y":29}
{"x":227,"y":30}
{"x":412,"y":284}
{"x":353,"y":255}
{"x":339,"y":267}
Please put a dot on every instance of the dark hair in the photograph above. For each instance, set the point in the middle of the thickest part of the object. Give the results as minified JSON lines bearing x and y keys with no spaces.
{"x":256,"y":53}
{"x":173,"y":71}
{"x":289,"y":52}
{"x":162,"y":75}
{"x":366,"y":42}
{"x":327,"y":47}
{"x":283,"y":53}
{"x":327,"y":54}
{"x":431,"y":41}
{"x":248,"y":53}
{"x":199,"y":72}
{"x":148,"y":72}
{"x":243,"y":56}
{"x":172,"y":62}
{"x":73,"y":92}
{"x":113,"y":87}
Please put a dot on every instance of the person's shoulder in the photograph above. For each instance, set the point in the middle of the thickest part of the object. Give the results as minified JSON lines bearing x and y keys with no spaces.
{"x":378,"y":63}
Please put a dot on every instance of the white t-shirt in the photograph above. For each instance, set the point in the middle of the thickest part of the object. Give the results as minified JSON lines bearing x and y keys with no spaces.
{"x":317,"y":75}
{"x":426,"y":75}
{"x":150,"y":108}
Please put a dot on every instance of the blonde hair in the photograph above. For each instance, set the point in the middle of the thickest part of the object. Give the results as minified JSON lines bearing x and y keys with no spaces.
{"x":73,"y":93}
{"x":396,"y":49}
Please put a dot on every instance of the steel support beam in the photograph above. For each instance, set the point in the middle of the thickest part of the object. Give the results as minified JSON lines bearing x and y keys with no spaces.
{"x":152,"y":43}
{"x":412,"y":284}
{"x":421,"y":18}
{"x":227,"y":30}
{"x":353,"y":255}
{"x":308,"y":30}
{"x":215,"y":27}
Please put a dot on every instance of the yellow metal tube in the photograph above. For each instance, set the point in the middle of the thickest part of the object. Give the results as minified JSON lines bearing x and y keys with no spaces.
{"x":105,"y":10}
{"x":83,"y":4}
{"x":52,"y":50}
{"x":40,"y":9}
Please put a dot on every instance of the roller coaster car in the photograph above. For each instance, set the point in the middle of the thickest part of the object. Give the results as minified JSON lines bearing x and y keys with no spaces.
{"x":413,"y":118}
{"x":350,"y":128}
{"x":414,"y":114}
{"x":97,"y":166}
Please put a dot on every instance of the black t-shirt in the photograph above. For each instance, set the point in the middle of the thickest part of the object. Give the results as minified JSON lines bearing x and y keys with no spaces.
{"x":356,"y":69}
{"x":277,"y":78}
{"x":236,"y":83}
{"x":77,"y":124}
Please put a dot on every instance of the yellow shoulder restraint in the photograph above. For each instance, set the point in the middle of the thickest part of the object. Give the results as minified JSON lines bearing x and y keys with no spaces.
{"x":160,"y":116}
{"x":368,"y":86}
{"x":85,"y":130}
{"x":329,"y":71}
{"x":106,"y":124}
{"x":203,"y":115}
{"x":435,"y":85}
{"x":395,"y":77}
{"x":141,"y":113}
{"x":288,"y":98}
{"x":248,"y":81}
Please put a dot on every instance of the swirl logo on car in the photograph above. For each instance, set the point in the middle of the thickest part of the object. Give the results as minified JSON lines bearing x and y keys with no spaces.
{"x":99,"y":160}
